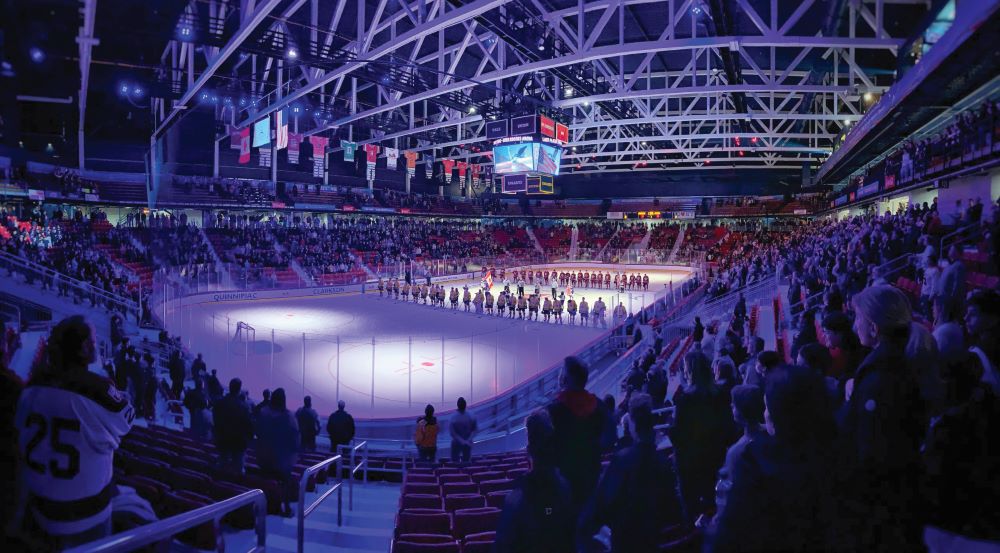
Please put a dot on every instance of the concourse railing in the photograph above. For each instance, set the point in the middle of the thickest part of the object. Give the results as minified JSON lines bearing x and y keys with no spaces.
{"x":305,"y":510}
{"x":154,"y":532}
{"x":361,"y":465}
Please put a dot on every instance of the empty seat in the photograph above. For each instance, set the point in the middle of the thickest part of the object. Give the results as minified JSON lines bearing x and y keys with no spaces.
{"x":421,"y":488}
{"x":242,"y":518}
{"x":415,"y":478}
{"x":184,"y":479}
{"x":513,"y":474}
{"x":487,"y":486}
{"x":479,"y":546}
{"x":453,"y":477}
{"x":419,"y":543}
{"x":475,"y":521}
{"x":451,"y":488}
{"x":478,"y":477}
{"x":420,"y":501}
{"x":416,"y":521}
{"x":200,"y":537}
{"x":463,"y":501}
{"x":497,"y":498}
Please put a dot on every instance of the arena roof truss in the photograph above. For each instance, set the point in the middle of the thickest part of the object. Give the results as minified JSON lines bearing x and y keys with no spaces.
{"x":642,"y":84}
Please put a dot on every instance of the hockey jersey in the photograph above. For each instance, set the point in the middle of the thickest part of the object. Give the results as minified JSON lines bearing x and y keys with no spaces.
{"x":69,"y":429}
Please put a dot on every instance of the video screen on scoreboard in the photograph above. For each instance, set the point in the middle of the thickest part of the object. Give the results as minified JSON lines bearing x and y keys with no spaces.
{"x":514,"y":158}
{"x":548,"y":158}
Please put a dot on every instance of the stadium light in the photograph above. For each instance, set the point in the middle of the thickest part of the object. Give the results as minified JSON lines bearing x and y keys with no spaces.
{"x":36,"y":54}
{"x":472,"y":109}
{"x":293,"y":53}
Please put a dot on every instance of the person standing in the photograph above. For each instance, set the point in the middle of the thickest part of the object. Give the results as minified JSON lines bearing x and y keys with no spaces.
{"x":308,"y":421}
{"x":462,"y":427}
{"x":426,"y":435}
{"x":70,"y":423}
{"x":584,"y":312}
{"x":197,"y":405}
{"x":177,"y":373}
{"x":233,"y":428}
{"x":340,"y":426}
{"x":198,"y":368}
{"x":278,"y":445}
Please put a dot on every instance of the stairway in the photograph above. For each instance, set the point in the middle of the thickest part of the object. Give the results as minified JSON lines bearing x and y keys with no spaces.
{"x":644,"y":243}
{"x":293,"y":263}
{"x":534,"y":240}
{"x":573,"y":239}
{"x":220,"y":267}
{"x":600,"y":254}
{"x":677,"y":245}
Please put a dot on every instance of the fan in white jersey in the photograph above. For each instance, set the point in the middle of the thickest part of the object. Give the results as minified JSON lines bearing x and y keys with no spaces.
{"x":70,"y":422}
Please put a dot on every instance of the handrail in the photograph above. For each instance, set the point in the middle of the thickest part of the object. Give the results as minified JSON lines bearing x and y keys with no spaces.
{"x":84,"y":287}
{"x":957,"y":232}
{"x":305,"y":510}
{"x":163,"y":529}
{"x":17,"y":311}
{"x":355,"y":467}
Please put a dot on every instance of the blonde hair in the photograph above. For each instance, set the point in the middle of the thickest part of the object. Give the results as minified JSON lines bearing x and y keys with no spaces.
{"x":887,"y":308}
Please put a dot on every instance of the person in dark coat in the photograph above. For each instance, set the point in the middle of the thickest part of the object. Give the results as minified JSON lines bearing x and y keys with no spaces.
{"x":583,"y":430}
{"x":278,"y":445}
{"x":636,"y":497}
{"x":177,"y":373}
{"x":198,"y":368}
{"x":781,"y":496}
{"x":698,"y":334}
{"x":214,"y":387}
{"x":882,"y":424}
{"x":308,"y":420}
{"x":233,"y":428}
{"x":702,"y":430}
{"x":538,"y":514}
{"x":340,"y":426}
{"x":196,"y":403}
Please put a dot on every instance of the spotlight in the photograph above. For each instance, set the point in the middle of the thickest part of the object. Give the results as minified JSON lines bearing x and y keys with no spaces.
{"x":541,"y":44}
{"x":753,"y":140}
{"x":36,"y":55}
{"x":123,"y":89}
{"x":869,"y":97}
{"x":586,"y":103}
{"x":243,"y":101}
{"x":185,"y":32}
{"x":569,"y":92}
{"x":137,"y":91}
{"x":847,"y":122}
{"x":472,"y":109}
{"x":293,"y":53}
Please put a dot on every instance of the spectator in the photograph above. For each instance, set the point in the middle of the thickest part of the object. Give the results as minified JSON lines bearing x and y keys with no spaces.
{"x":264,"y":405}
{"x":881,"y":424}
{"x":766,"y":362}
{"x":748,"y":366}
{"x":198,"y":369}
{"x":657,"y":383}
{"x":426,"y":436}
{"x":538,"y":515}
{"x":214,"y":387}
{"x":982,"y":321}
{"x":308,"y":421}
{"x":701,"y":432}
{"x":583,"y":430}
{"x":340,"y":426}
{"x":197,"y":406}
{"x":781,"y":498}
{"x":278,"y":445}
{"x":462,"y":428}
{"x":73,"y":421}
{"x":846,"y":351}
{"x":177,"y":373}
{"x":951,"y":282}
{"x":10,"y":391}
{"x":748,"y":414}
{"x":698,"y":334}
{"x":636,"y":497}
{"x":233,"y":428}
{"x":725,"y":374}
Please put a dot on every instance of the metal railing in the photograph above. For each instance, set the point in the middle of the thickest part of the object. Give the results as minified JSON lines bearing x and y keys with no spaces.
{"x":137,"y":538}
{"x":355,"y":467}
{"x":34,"y":271}
{"x":714,"y":307}
{"x":305,"y":510}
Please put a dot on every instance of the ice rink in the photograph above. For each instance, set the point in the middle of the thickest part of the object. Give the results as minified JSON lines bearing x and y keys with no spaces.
{"x":386,"y":358}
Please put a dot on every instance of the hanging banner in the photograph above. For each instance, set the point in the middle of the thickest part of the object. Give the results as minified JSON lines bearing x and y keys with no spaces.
{"x":294,"y":139}
{"x":391,"y":156}
{"x":349,"y":148}
{"x":475,"y":174}
{"x":429,"y":166}
{"x":319,"y":154}
{"x":523,"y":125}
{"x":448,"y":165}
{"x":411,"y":162}
{"x":371,"y":156}
{"x":264,"y":157}
{"x":245,"y":145}
{"x":487,"y":171}
{"x":496,"y":129}
{"x":235,"y":138}
{"x":462,"y":167}
{"x":262,"y":132}
{"x":281,"y":129}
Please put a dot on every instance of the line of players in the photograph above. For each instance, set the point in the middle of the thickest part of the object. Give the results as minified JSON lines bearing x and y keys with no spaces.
{"x":583,"y":279}
{"x":521,"y":306}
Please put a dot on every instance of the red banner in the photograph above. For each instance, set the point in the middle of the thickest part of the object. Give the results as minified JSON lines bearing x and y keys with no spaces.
{"x":562,"y":132}
{"x":548,"y":126}
{"x":245,"y":145}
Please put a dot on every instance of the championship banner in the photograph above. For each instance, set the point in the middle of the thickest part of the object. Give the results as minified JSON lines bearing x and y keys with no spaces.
{"x":562,"y":133}
{"x":245,"y":145}
{"x":281,"y":129}
{"x":262,"y":132}
{"x":264,"y":157}
{"x":371,"y":155}
{"x":462,"y":167}
{"x":235,"y":138}
{"x":411,"y":162}
{"x":548,"y":126}
{"x":448,"y":165}
{"x":319,"y":154}
{"x":294,"y":139}
{"x":349,"y":148}
{"x":475,"y":174}
{"x":487,"y":171}
{"x":429,"y":166}
{"x":391,"y":156}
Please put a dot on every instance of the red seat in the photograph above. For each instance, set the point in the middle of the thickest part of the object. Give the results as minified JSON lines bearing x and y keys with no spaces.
{"x":200,"y":537}
{"x":420,"y":543}
{"x":147,"y":488}
{"x":420,"y":501}
{"x":463,"y":501}
{"x":453,"y":477}
{"x":497,"y":498}
{"x":478,"y":546}
{"x":242,"y":518}
{"x":487,"y":486}
{"x":184,"y":479}
{"x":475,"y":521}
{"x":458,"y":487}
{"x":412,"y":478}
{"x":478,"y":477}
{"x":421,"y":488}
{"x":416,"y":521}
